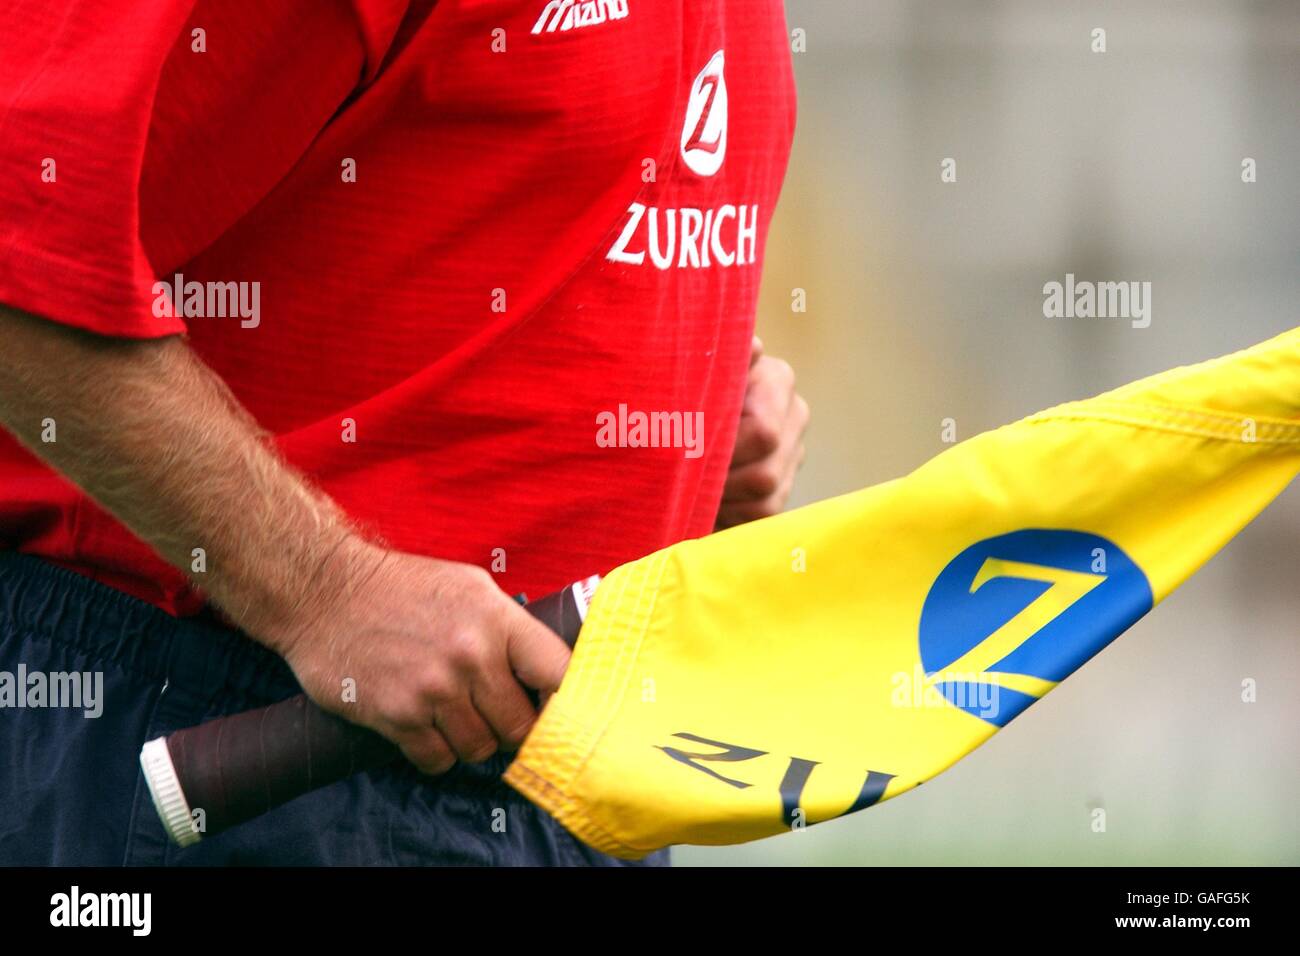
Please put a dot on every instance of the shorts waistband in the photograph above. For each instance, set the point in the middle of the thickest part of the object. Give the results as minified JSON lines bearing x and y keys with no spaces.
{"x":116,"y":629}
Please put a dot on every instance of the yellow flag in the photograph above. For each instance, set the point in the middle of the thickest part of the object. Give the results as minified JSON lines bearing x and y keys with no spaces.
{"x":799,"y":668}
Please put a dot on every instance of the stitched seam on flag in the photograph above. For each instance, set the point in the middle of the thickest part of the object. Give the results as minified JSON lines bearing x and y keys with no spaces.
{"x":567,"y":758}
{"x":538,"y":789}
{"x":650,"y":577}
{"x":629,"y":617}
{"x":609,"y":647}
{"x":570,"y":813}
{"x":567,"y":745}
{"x":631,"y":636}
{"x":1160,"y":411}
{"x":556,"y":747}
{"x":1230,"y":423}
{"x":621,"y":672}
{"x":552,"y":796}
{"x":1205,"y":424}
{"x":560,"y":743}
{"x":633,"y":623}
{"x":560,"y":752}
{"x":583,"y":691}
{"x":1146,"y":424}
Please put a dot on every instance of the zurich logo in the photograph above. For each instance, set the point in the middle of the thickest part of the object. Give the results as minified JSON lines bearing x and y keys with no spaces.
{"x":1012,"y":616}
{"x":704,"y":134}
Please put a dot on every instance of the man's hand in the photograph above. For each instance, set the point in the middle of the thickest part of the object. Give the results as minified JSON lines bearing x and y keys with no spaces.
{"x":437,"y":653}
{"x":769,"y":444}
{"x":153,"y":435}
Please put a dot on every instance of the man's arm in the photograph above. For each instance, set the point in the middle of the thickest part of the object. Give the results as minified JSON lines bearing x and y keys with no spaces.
{"x":154,"y":436}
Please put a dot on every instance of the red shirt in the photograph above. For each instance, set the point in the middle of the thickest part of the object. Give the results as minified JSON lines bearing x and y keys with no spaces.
{"x":493,"y":260}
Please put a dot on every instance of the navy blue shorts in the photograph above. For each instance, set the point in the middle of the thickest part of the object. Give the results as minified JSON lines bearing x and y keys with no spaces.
{"x":71,"y":790}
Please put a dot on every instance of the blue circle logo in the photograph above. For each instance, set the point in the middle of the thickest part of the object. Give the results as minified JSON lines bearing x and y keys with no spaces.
{"x":1012,"y":616}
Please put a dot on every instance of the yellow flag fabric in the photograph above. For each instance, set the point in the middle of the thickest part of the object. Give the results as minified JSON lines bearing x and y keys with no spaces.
{"x":802,"y":667}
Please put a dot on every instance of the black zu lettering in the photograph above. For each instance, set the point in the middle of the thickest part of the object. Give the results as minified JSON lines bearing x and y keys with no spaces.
{"x":792,"y":783}
{"x":796,"y":778}
{"x":730,"y":753}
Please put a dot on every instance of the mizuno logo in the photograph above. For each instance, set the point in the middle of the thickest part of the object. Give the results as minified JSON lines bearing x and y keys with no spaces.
{"x":573,"y":14}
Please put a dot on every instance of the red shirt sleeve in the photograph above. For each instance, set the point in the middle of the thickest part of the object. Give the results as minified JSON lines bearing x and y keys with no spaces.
{"x":131,"y":143}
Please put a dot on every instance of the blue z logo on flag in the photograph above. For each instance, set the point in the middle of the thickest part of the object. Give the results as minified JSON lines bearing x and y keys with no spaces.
{"x":1012,"y":616}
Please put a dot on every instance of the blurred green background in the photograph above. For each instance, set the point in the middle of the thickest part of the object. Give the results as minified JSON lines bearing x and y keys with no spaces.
{"x":925,"y":303}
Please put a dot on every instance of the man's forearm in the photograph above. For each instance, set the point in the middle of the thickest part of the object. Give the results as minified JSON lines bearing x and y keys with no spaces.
{"x":156,"y":438}
{"x":434,"y":648}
